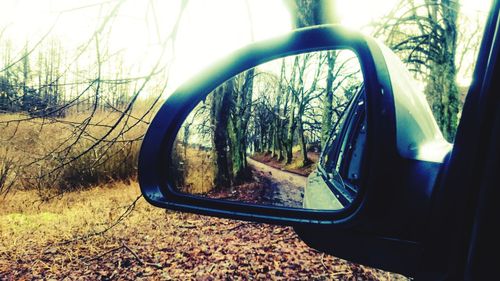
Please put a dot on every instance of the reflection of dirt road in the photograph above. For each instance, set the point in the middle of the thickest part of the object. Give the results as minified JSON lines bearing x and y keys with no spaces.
{"x":282,"y":188}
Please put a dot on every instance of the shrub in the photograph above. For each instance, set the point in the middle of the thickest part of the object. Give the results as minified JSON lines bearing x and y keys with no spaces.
{"x":61,"y":154}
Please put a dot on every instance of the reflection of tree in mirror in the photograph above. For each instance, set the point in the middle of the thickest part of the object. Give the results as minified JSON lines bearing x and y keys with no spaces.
{"x":279,"y":114}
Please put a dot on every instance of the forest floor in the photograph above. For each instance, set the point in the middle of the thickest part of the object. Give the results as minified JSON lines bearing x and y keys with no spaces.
{"x":70,"y":238}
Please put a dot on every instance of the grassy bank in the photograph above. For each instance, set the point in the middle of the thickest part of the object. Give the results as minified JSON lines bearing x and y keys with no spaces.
{"x":294,"y":167}
{"x":61,"y":154}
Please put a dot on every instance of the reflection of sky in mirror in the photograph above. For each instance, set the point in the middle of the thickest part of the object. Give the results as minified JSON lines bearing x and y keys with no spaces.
{"x":346,"y":63}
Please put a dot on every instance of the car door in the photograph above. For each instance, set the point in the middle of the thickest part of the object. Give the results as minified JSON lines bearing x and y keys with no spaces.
{"x":462,"y":226}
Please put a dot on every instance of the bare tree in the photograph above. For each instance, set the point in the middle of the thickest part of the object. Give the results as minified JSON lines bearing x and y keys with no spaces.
{"x":425,"y":34}
{"x":51,"y":82}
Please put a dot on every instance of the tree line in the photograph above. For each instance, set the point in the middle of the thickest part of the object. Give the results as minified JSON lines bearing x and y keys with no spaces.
{"x":46,"y":84}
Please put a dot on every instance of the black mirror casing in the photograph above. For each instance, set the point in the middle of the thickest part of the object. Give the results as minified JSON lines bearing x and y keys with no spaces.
{"x":383,"y":226}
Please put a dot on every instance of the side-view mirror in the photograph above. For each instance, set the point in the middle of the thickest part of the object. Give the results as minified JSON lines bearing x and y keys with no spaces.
{"x":269,"y":135}
{"x":321,"y":129}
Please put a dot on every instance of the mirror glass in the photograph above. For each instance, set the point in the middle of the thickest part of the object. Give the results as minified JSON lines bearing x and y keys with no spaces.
{"x":289,"y":133}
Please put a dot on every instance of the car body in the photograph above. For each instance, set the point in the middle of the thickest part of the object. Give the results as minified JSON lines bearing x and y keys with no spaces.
{"x":424,"y":208}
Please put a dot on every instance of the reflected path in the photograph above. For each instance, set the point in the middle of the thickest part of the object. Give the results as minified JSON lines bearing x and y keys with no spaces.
{"x":281,"y":188}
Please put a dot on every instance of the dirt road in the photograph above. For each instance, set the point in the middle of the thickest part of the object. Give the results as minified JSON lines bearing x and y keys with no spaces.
{"x":282,"y":188}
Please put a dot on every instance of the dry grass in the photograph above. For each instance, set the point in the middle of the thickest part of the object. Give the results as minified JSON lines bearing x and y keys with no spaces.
{"x":47,"y":152}
{"x":159,"y":244}
{"x":195,"y":169}
{"x":26,"y":220}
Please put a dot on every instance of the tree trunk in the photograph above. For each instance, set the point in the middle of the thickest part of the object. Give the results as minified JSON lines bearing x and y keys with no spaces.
{"x":312,"y":12}
{"x":301,"y":103}
{"x":247,"y":101}
{"x":441,"y":88}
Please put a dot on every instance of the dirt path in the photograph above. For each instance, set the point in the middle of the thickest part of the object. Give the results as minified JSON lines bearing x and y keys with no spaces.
{"x":283,"y":188}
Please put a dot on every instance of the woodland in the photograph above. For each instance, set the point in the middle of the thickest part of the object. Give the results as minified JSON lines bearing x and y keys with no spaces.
{"x":72,"y":119}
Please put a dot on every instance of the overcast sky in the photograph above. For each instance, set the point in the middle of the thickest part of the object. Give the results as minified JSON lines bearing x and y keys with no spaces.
{"x":208,"y":30}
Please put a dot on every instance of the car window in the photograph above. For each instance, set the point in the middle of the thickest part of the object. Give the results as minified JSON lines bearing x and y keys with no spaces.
{"x":354,"y":145}
{"x":341,"y":160}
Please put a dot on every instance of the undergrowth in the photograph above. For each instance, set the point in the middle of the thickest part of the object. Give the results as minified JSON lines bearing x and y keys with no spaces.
{"x":56,"y":155}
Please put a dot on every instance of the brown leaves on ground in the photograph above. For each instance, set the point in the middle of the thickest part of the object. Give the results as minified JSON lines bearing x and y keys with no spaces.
{"x":151,"y":243}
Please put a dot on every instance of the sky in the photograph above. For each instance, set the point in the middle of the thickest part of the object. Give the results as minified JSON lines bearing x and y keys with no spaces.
{"x":208,"y":30}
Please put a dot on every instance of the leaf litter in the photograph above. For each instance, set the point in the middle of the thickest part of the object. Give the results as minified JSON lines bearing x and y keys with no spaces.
{"x":152,"y":244}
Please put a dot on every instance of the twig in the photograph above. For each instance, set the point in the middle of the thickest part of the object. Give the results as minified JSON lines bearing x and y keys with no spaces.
{"x":189,"y":226}
{"x":322,"y":262}
{"x":120,"y":218}
{"x":133,"y":253}
{"x":240,"y":225}
{"x":105,"y":253}
{"x":126,"y":247}
{"x":283,"y":239}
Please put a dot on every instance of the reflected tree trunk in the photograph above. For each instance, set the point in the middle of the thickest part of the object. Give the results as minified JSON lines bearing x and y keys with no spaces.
{"x":290,"y":130}
{"x":326,"y":124}
{"x":278,"y":116}
{"x":302,"y":100}
{"x":239,"y":123}
{"x":222,"y":99}
{"x":302,"y":142}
